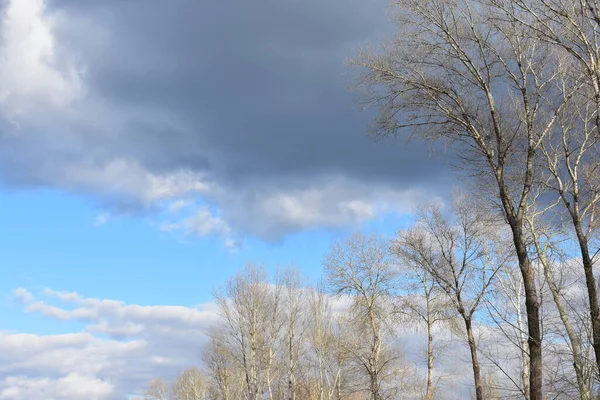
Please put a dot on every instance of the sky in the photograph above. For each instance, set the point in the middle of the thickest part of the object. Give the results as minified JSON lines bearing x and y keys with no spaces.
{"x":149,"y":149}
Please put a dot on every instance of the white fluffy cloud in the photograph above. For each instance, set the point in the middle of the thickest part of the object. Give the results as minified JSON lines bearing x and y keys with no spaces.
{"x":201,"y":223}
{"x":270,"y":213}
{"x":22,"y":295}
{"x":73,"y":386}
{"x":121,"y":347}
{"x":29,"y":72}
{"x":333,"y":202}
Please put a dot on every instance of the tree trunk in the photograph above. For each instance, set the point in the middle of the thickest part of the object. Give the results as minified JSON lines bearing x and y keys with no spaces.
{"x":374,"y":387}
{"x":291,"y":389}
{"x":532,"y":308}
{"x":474,"y":359}
{"x":533,"y":328}
{"x":584,"y":393}
{"x":524,"y":348}
{"x":374,"y":357}
{"x":590,"y":282}
{"x":429,"y":392}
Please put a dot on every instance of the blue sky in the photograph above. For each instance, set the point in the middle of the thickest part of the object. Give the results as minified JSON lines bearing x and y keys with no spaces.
{"x":54,"y":240}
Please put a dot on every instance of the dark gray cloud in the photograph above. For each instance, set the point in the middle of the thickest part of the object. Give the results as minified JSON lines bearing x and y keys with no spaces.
{"x":251,"y":95}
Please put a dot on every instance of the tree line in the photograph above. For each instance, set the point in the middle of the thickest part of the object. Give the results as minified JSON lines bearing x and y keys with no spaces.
{"x":512,"y":89}
{"x":451,"y":277}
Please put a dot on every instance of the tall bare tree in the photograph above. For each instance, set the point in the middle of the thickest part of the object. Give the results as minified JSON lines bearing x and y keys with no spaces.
{"x":157,"y":389}
{"x":295,"y":303}
{"x":571,"y":155}
{"x":328,"y":351}
{"x":222,"y":368}
{"x":320,"y":339}
{"x":252,"y":322}
{"x":362,"y":268}
{"x":506,"y":311}
{"x":462,"y":71}
{"x":544,"y":237}
{"x":190,"y":384}
{"x":463,"y":256}
{"x":422,"y":304}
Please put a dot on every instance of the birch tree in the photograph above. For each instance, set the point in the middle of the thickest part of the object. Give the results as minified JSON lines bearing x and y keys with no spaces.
{"x":422,"y":304}
{"x":506,"y":311}
{"x":157,"y":389}
{"x":544,"y":237}
{"x":295,"y":303}
{"x":190,"y":384}
{"x":462,"y":256}
{"x":362,"y":267}
{"x":251,"y":312}
{"x":321,"y":342}
{"x":222,"y":368}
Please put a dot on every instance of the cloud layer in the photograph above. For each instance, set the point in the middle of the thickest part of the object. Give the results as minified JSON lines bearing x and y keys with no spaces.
{"x":119,"y":350}
{"x":241,"y":109}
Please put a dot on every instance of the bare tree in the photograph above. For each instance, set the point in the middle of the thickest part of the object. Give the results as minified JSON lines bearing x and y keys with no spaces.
{"x":328,"y":349}
{"x":222,"y":367}
{"x":463,"y":71}
{"x":320,"y":332}
{"x":422,"y":304}
{"x":190,"y":384}
{"x":572,"y":161}
{"x":543,"y":238}
{"x":251,"y":311}
{"x":295,"y":316}
{"x":462,"y":256}
{"x":506,"y":310}
{"x":157,"y":390}
{"x":571,"y":155}
{"x":362,"y":268}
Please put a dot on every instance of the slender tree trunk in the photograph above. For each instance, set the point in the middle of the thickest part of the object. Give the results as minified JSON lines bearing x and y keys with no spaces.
{"x":269,"y":378}
{"x":429,"y":392}
{"x":291,"y":389}
{"x":534,"y":340}
{"x":247,"y":369}
{"x":588,"y":265}
{"x":374,"y":387}
{"x":584,"y":393}
{"x":253,"y":377}
{"x":535,"y":337}
{"x":374,"y":358}
{"x":524,"y":348}
{"x":474,"y":358}
{"x":321,"y":379}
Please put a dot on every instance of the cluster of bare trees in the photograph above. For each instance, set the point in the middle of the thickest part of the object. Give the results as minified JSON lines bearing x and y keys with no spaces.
{"x":452,"y":277}
{"x":189,"y":384}
{"x":285,"y":340}
{"x":513,"y":87}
